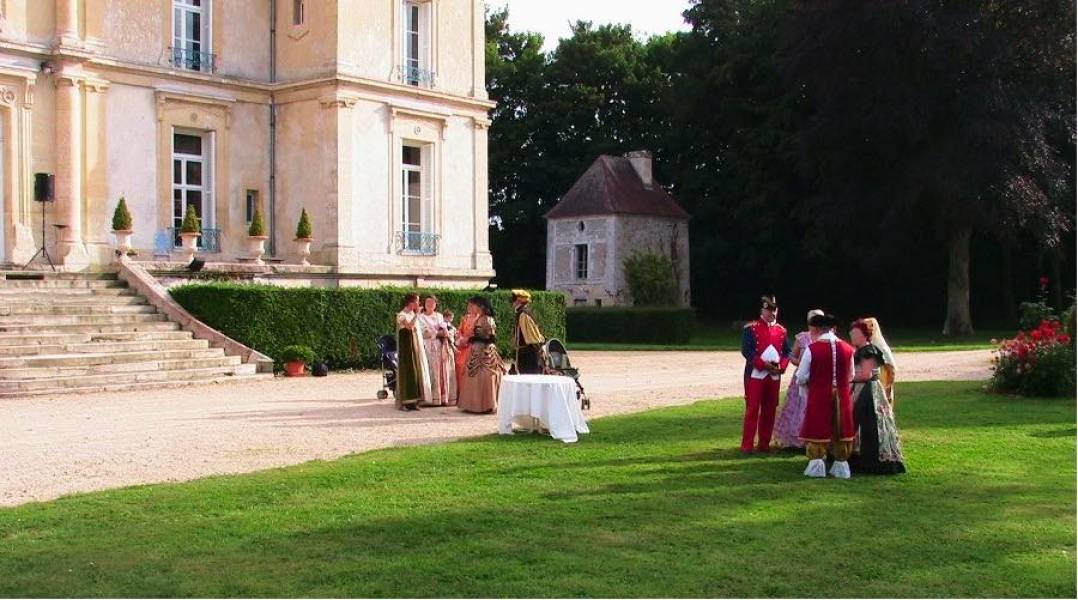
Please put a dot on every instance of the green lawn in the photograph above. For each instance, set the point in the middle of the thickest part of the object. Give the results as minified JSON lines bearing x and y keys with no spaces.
{"x":712,"y":336}
{"x":654,"y":504}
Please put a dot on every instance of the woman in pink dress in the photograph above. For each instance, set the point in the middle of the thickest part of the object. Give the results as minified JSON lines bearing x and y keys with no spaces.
{"x":788,"y":425}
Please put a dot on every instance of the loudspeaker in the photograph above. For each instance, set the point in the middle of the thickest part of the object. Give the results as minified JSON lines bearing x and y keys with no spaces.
{"x":44,"y":187}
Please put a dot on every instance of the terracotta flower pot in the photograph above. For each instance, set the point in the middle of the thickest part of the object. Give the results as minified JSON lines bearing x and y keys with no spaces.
{"x":303,"y":249}
{"x":189,"y":244}
{"x":295,"y":368}
{"x":256,"y":247}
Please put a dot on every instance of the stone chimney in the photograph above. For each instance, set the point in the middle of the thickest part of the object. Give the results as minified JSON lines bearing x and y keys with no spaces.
{"x":641,"y":161}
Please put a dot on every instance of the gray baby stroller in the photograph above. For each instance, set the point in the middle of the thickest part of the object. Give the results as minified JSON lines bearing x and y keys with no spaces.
{"x":557,"y":363}
{"x":387,"y":349}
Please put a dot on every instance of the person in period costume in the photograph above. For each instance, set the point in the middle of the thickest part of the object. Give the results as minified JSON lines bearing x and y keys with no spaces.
{"x":826,"y":368}
{"x":878,"y":448}
{"x":483,"y":376}
{"x":792,"y":415}
{"x":767,"y":354}
{"x":413,"y":372}
{"x":527,"y":339}
{"x":450,"y":349}
{"x":464,"y":345}
{"x":440,"y":358}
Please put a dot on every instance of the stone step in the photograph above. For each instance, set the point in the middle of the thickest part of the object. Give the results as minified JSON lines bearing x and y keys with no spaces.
{"x":103,"y":346}
{"x":210,"y":358}
{"x":74,"y":300}
{"x":13,"y":294}
{"x":49,"y":309}
{"x":178,"y":379}
{"x":11,"y":329}
{"x":23,"y":275}
{"x":29,"y":340}
{"x":45,"y":323}
{"x":130,"y":381}
{"x":62,"y":284}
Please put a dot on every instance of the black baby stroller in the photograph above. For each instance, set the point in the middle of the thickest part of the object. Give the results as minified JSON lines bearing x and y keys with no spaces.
{"x":557,"y":363}
{"x":387,"y":348}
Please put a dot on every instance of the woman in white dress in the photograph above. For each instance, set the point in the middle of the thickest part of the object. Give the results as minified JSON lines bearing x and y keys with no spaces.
{"x":439,"y":352}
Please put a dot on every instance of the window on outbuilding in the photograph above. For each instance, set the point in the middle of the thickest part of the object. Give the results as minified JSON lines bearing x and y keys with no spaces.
{"x":581,"y":262}
{"x":298,"y":12}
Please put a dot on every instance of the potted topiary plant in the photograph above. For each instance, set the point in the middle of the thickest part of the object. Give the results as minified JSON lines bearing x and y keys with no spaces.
{"x":296,"y":359}
{"x":190,"y":231}
{"x":303,"y":238}
{"x":257,"y":237}
{"x":122,"y":227}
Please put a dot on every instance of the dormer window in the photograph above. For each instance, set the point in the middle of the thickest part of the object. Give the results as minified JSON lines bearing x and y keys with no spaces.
{"x":416,"y":44}
{"x":191,"y":40}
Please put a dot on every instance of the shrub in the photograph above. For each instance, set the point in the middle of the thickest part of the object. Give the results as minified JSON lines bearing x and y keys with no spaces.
{"x":303,"y":228}
{"x":121,"y":217}
{"x":295,"y":353}
{"x":1039,"y":362}
{"x":650,"y":278}
{"x":341,"y":325}
{"x":258,"y":224}
{"x":191,"y":222}
{"x":1032,"y":314}
{"x":630,"y":325}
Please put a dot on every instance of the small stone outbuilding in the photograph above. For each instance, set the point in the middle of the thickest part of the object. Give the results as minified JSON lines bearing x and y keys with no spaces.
{"x":615,"y":209}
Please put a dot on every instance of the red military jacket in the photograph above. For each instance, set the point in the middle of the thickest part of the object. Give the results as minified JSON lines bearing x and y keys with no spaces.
{"x":757,"y":336}
{"x":829,"y":373}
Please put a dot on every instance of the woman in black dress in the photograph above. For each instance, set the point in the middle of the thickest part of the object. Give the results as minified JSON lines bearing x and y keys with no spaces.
{"x":878,"y":448}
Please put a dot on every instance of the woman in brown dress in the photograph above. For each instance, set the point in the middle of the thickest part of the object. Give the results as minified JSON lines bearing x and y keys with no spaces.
{"x":478,"y":389}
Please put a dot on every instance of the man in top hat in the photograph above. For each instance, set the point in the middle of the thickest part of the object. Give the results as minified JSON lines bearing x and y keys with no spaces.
{"x":826,"y":368}
{"x":767,"y":354}
{"x":527,"y":339}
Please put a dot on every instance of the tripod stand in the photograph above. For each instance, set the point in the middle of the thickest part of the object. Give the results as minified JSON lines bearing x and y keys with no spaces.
{"x":43,"y":251}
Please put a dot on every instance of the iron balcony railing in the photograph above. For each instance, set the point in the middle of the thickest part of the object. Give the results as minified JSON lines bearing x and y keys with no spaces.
{"x":416,"y":243}
{"x":209,"y":242}
{"x":412,"y":75}
{"x":191,"y":60}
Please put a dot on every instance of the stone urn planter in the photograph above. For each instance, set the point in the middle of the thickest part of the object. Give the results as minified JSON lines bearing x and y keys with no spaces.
{"x":189,"y":245}
{"x":256,"y":247}
{"x":123,"y":241}
{"x":295,"y":368}
{"x":303,"y":249}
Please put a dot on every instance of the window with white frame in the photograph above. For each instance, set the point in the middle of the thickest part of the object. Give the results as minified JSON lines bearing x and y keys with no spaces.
{"x":192,"y":160}
{"x":581,"y":261}
{"x":417,"y":214}
{"x":416,"y":44}
{"x":191,"y":43}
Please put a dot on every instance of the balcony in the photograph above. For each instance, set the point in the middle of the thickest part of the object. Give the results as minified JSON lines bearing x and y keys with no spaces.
{"x":412,"y":75}
{"x":169,"y":239}
{"x":414,"y":243}
{"x":184,"y":58}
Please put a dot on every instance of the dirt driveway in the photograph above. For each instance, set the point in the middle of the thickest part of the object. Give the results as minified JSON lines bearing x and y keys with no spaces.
{"x":54,"y":446}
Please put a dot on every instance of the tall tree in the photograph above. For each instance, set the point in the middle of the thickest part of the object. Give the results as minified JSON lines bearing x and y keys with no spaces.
{"x":942,"y":117}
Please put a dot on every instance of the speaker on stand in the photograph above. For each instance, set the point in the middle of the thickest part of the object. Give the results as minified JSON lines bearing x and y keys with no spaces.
{"x":44,"y":192}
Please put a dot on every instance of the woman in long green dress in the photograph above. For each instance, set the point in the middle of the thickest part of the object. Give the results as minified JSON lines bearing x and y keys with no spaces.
{"x":413,"y":374}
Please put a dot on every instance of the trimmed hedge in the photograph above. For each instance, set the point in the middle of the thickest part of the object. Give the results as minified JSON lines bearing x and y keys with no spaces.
{"x":341,"y":325}
{"x":630,"y":324}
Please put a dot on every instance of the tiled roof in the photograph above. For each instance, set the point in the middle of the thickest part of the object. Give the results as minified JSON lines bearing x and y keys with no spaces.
{"x":611,"y":186}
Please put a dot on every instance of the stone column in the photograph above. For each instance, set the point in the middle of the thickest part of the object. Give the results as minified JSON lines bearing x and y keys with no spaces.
{"x":481,"y":257}
{"x":343,"y":247}
{"x":69,"y":172}
{"x":97,"y":208}
{"x":67,"y":22}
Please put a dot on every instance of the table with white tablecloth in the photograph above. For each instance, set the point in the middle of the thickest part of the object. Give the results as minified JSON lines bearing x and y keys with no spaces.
{"x":548,"y":401}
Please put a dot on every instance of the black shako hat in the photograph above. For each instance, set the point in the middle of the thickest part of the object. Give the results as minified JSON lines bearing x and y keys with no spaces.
{"x":769,"y":303}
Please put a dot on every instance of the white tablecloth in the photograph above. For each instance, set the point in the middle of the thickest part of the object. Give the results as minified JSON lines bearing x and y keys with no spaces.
{"x":550,"y":399}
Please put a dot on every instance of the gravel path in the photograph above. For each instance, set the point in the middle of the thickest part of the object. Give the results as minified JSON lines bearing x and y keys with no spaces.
{"x":59,"y":445}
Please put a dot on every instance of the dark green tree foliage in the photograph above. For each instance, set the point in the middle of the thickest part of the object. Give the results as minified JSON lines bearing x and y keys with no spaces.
{"x":650,"y":278}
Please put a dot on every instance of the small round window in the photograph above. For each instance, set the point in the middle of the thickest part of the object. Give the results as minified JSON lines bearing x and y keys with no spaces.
{"x":580,"y":226}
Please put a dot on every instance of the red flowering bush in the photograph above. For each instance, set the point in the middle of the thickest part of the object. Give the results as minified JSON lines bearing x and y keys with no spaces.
{"x":1039,"y":362}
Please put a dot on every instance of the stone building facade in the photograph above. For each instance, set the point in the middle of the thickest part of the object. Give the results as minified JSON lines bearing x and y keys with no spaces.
{"x":613,"y":210}
{"x":371,"y":114}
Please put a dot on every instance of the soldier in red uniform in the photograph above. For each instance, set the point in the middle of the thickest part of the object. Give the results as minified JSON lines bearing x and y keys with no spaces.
{"x":827,"y":368}
{"x":767,"y":354}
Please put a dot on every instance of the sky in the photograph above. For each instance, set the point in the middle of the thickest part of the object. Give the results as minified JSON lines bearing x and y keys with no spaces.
{"x":552,"y":17}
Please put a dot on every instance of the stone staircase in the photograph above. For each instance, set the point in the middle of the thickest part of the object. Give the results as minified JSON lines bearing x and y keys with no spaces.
{"x":63,"y":333}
